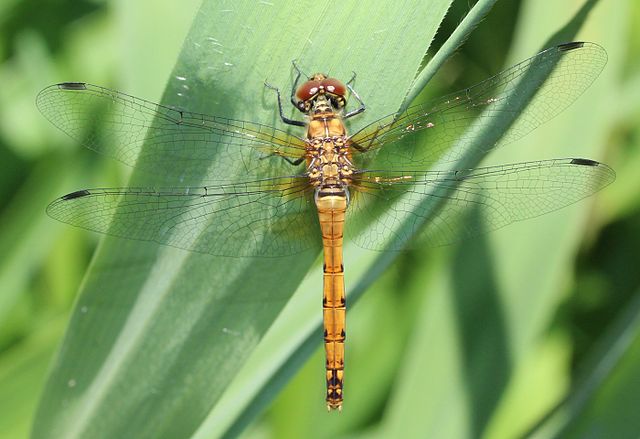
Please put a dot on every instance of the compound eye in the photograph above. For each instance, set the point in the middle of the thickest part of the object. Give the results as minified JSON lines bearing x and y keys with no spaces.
{"x":308,"y":90}
{"x":334,"y":87}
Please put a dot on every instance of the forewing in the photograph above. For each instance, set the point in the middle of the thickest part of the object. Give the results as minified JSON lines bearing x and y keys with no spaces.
{"x":396,"y":210}
{"x":514,"y":102}
{"x":176,"y":144}
{"x":272,"y":217}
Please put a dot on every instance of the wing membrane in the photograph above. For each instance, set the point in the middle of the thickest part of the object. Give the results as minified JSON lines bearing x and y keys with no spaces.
{"x":164,"y":140}
{"x":272,"y":217}
{"x":522,"y":97}
{"x":268,"y":214}
{"x":434,"y":208}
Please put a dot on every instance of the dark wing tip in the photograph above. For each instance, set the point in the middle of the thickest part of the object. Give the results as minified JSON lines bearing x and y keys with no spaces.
{"x":606,"y":173}
{"x":72,"y":86}
{"x":570,"y":46}
{"x":76,"y":194}
{"x":585,"y":162}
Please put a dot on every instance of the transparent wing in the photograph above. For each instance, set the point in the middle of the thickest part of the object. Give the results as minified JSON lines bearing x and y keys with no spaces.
{"x":177,"y":144}
{"x":520,"y":98}
{"x":271,"y":217}
{"x":395,"y":210}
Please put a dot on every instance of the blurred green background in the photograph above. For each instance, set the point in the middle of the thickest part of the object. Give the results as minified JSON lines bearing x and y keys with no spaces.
{"x":531,"y":330}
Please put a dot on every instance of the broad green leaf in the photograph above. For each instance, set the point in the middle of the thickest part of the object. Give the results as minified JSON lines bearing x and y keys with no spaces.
{"x":158,"y":333}
{"x":367,"y":266}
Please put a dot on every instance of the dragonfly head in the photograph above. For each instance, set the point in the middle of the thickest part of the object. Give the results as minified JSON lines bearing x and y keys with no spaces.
{"x":320,"y":91}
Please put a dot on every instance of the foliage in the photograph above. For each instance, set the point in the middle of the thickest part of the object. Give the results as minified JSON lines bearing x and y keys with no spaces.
{"x":530,"y":330}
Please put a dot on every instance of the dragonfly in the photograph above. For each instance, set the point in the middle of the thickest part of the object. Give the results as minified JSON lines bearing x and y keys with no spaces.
{"x":244,"y":189}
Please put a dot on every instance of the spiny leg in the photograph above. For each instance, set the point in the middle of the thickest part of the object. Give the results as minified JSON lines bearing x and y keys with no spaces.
{"x":353,"y":78}
{"x":295,"y":84}
{"x":285,"y":158}
{"x":362,"y":107}
{"x":282,"y":116}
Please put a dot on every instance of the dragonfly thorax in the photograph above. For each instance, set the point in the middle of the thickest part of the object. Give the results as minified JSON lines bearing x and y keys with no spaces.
{"x":328,"y":155}
{"x":329,"y":163}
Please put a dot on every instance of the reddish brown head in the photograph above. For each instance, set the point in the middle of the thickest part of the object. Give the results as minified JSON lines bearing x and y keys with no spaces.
{"x":318,"y":85}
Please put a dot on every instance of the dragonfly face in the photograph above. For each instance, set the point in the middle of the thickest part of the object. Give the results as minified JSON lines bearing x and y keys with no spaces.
{"x":277,"y":208}
{"x":321,"y":93}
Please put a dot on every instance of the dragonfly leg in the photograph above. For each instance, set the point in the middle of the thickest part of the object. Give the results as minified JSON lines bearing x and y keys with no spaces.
{"x":353,"y":78}
{"x":285,"y":119}
{"x":293,"y":99}
{"x":365,"y":148}
{"x":362,"y":107}
{"x":287,"y":159}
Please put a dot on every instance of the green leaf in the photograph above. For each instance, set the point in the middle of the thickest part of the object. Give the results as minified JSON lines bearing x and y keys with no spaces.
{"x":158,"y":334}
